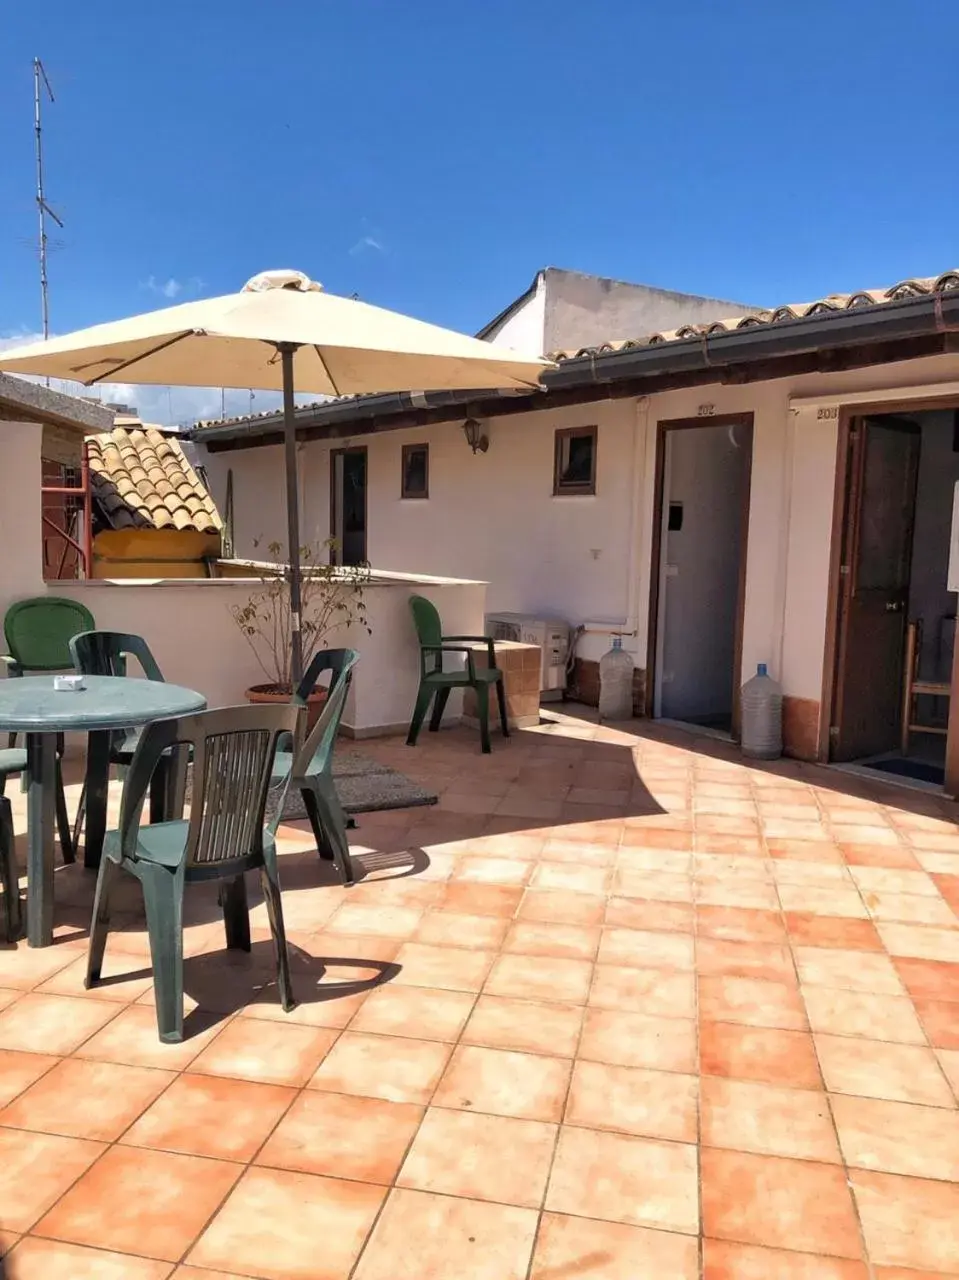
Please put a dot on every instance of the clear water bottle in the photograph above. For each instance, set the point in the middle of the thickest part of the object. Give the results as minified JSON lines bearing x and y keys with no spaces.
{"x":762,"y":718}
{"x":616,"y":683}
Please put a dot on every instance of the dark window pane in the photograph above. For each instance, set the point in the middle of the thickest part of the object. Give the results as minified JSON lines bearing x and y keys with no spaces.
{"x":576,"y":460}
{"x":415,"y":470}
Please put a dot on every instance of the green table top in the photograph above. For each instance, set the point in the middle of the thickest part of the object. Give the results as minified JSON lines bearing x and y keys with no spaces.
{"x":30,"y":704}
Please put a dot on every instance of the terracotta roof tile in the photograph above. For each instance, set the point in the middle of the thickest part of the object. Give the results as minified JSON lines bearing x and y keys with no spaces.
{"x":142,"y":479}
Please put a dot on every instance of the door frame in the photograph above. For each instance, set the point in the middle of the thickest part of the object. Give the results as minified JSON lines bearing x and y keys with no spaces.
{"x":334,"y":501}
{"x":663,"y":427}
{"x":842,"y":510}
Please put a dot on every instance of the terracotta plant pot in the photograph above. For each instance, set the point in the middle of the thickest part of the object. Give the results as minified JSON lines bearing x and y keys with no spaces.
{"x":283,"y":693}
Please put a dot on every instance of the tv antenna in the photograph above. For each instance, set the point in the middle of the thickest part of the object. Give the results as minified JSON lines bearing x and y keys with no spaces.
{"x":41,"y":83}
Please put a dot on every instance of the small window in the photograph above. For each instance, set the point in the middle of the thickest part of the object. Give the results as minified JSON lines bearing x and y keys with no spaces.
{"x":416,"y":471}
{"x":575,"y":467}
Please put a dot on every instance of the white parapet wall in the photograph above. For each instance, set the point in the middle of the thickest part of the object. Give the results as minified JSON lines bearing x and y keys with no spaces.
{"x":190,"y":629}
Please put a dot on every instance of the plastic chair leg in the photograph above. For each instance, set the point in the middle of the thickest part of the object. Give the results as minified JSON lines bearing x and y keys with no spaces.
{"x":270,"y":881}
{"x":423,"y":697}
{"x":67,"y":848}
{"x":482,"y":710}
{"x":501,"y":699}
{"x":439,"y":706}
{"x":100,"y":924}
{"x":12,"y":907}
{"x":236,"y":914}
{"x":163,"y":900}
{"x":335,"y":821}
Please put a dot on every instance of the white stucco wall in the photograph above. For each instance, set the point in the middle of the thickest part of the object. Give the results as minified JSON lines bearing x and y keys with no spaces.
{"x":525,"y":329}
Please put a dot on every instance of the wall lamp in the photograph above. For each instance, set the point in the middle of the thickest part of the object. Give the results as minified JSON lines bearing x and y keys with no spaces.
{"x":473,"y":431}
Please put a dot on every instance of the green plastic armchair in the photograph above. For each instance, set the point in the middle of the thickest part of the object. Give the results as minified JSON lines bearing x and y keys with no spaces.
{"x":436,"y":682}
{"x":310,"y":764}
{"x":224,"y":837}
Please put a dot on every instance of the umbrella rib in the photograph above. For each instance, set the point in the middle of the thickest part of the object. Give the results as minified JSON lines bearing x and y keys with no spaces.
{"x":326,"y":370}
{"x":126,"y":364}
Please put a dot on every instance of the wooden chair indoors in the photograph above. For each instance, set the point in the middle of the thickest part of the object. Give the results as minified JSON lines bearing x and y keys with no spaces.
{"x":913,"y":687}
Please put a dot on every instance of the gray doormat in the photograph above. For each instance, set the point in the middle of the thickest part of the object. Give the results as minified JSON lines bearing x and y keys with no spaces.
{"x":363,"y":785}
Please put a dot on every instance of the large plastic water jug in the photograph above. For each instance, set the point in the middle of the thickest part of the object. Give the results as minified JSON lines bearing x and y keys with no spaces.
{"x":762,"y":718}
{"x":616,"y":683}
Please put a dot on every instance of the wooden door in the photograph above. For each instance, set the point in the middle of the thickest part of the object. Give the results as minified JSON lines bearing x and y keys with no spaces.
{"x":880,"y":514}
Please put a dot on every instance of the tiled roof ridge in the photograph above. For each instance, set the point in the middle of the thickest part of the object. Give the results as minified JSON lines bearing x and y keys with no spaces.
{"x":142,"y":479}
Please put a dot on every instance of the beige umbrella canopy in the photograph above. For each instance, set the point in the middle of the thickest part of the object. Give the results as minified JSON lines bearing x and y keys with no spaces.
{"x":280,"y":332}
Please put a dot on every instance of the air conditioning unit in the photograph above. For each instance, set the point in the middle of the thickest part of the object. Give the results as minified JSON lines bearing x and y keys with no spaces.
{"x":551,"y":635}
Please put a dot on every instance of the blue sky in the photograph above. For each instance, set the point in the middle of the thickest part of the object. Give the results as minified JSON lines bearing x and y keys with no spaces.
{"x":432,"y":155}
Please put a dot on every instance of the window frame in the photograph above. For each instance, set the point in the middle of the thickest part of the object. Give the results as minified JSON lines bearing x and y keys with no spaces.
{"x":405,"y":494}
{"x":582,"y":489}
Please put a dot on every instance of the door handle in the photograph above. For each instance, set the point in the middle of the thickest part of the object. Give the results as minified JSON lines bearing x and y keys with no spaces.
{"x":893,"y":606}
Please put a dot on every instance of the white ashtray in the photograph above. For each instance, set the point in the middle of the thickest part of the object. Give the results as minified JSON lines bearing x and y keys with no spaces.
{"x":68,"y":684}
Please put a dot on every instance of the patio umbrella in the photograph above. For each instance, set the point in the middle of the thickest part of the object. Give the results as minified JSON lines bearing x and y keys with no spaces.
{"x":280,"y":332}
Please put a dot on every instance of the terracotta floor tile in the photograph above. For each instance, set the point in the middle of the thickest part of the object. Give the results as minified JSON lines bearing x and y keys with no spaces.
{"x":328,"y":1133}
{"x":649,"y":837}
{"x":589,"y":1250}
{"x":54,"y":1260}
{"x":429,"y":1237}
{"x":751,"y":1001}
{"x":387,"y":1067}
{"x":759,"y":1053}
{"x":35,"y":1170}
{"x":316,"y":1226}
{"x":673,"y":860}
{"x":481,"y":899}
{"x":270,"y":1052}
{"x":118,"y":981}
{"x":832,"y":932}
{"x":656,"y":886}
{"x":905,"y":1273}
{"x":570,"y":877}
{"x":755,"y":895}
{"x":638,"y":1040}
{"x":389,"y":922}
{"x":823,"y":901}
{"x":929,"y":979}
{"x":880,"y":855}
{"x":823,"y":875}
{"x":460,"y":1153}
{"x":726,"y":1261}
{"x":896,"y":1137}
{"x":85,"y":1099}
{"x":796,"y":1205}
{"x":637,"y":913}
{"x":650,"y":1104}
{"x":540,"y":938}
{"x":949,"y":1061}
{"x":805,"y":851}
{"x":872,"y":1069}
{"x":909,"y":908}
{"x":660,"y":991}
{"x":420,"y":1012}
{"x":639,"y":1181}
{"x":489,"y":870}
{"x":187,"y":1272}
{"x":19,"y":1070}
{"x":572,"y":851}
{"x":908,"y":1222}
{"x":772,"y":961}
{"x":646,"y":949}
{"x":561,"y":906}
{"x":847,"y":970}
{"x":24,"y":967}
{"x":739,"y":924}
{"x":444,"y":968}
{"x":504,"y":1083}
{"x":918,"y":942}
{"x":940,"y":1021}
{"x":860,"y":1013}
{"x":893,"y":880}
{"x":132,"y":1038}
{"x":539,"y":978}
{"x":52,"y":1024}
{"x":211,"y":1116}
{"x":166,"y":1200}
{"x":864,"y":833}
{"x":454,"y":929}
{"x":527,"y":1026}
{"x":744,"y":1115}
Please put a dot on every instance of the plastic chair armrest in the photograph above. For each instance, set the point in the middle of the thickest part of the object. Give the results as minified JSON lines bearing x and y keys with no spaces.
{"x":452,"y":648}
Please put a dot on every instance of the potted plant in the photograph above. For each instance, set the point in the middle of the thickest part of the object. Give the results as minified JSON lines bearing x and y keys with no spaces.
{"x":331,"y":599}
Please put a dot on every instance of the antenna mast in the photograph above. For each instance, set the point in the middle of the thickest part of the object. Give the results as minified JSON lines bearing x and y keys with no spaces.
{"x":40,"y":82}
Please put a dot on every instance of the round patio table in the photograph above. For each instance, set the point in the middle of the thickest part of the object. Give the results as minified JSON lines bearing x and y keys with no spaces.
{"x":32,"y":706}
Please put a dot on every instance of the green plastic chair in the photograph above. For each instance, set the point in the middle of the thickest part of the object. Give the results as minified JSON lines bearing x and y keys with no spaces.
{"x":224,"y":837}
{"x":436,"y":682}
{"x":38,"y":632}
{"x":309,"y":764}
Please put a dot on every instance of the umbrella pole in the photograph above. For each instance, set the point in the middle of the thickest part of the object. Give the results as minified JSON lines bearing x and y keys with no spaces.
{"x":286,"y":350}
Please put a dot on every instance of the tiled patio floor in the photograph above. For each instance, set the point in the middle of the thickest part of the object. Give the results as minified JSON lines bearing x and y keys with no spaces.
{"x":619,"y":1007}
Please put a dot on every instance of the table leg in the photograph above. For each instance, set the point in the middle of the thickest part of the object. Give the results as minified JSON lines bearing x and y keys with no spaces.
{"x":41,"y":785}
{"x":97,"y":785}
